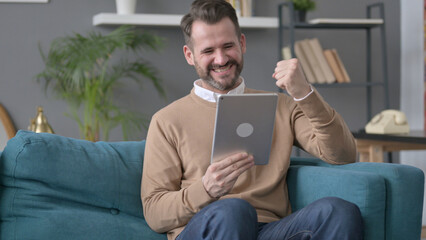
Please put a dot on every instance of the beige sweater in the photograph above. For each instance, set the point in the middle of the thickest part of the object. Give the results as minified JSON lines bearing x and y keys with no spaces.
{"x":178,"y":149}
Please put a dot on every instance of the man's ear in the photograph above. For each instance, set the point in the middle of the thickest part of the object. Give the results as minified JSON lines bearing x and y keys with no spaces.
{"x":189,"y":56}
{"x":243,"y":43}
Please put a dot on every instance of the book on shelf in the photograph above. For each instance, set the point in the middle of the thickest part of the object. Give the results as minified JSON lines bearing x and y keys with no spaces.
{"x":243,"y":8}
{"x":307,"y":69}
{"x":286,"y":53}
{"x":312,"y":60}
{"x":318,"y":54}
{"x":372,"y":21}
{"x":319,"y":65}
{"x":334,"y":65}
{"x":247,"y":6}
{"x":341,"y":66}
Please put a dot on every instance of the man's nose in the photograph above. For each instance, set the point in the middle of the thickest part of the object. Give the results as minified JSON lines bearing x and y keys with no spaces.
{"x":220,"y":58}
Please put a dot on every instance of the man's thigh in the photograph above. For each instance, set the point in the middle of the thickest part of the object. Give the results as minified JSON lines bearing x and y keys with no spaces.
{"x":232,"y":219}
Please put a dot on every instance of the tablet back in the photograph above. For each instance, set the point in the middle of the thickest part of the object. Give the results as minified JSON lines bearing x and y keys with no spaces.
{"x":244,"y":122}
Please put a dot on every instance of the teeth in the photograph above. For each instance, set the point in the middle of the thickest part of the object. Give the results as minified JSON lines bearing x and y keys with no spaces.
{"x":222,"y":69}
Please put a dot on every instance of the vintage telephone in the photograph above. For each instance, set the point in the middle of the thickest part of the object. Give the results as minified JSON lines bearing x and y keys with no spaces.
{"x":388,"y":122}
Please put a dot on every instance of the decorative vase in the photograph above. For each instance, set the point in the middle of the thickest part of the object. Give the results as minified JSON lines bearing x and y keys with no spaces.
{"x":39,"y":124}
{"x":125,"y":6}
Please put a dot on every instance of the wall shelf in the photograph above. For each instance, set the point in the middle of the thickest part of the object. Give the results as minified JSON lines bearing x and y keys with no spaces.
{"x":333,"y":26}
{"x":172,"y":20}
{"x":366,"y":24}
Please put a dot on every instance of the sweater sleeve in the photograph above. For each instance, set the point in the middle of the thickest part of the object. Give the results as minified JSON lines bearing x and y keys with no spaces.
{"x":321,"y":131}
{"x":166,"y":205}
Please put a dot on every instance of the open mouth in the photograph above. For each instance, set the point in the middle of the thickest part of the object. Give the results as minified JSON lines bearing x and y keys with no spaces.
{"x":221,"y":68}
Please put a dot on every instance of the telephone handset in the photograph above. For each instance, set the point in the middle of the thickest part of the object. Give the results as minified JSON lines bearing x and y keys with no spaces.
{"x":388,"y":122}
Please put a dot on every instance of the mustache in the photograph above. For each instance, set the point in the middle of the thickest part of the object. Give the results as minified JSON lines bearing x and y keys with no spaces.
{"x":215,"y":66}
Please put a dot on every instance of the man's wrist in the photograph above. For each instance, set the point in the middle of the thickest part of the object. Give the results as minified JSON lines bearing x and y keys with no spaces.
{"x":307,"y":95}
{"x":202,"y":180}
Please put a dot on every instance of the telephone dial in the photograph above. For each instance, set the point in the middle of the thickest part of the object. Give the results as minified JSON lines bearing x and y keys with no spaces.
{"x":388,"y":122}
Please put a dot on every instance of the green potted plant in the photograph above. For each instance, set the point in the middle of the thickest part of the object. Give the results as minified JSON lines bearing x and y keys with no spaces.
{"x":84,"y":71}
{"x":301,"y":7}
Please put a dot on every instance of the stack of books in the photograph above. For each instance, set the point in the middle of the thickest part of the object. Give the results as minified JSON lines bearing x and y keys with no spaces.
{"x":319,"y":65}
{"x":244,"y":8}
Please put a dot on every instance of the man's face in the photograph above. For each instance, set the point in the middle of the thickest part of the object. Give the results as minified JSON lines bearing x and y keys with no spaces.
{"x":217,"y":54}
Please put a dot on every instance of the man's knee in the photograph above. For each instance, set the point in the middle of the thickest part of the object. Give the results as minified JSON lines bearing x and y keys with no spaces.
{"x":232,"y":209}
{"x":340,"y":206}
{"x":231,"y":219}
{"x":345,"y":213}
{"x":223,"y":219}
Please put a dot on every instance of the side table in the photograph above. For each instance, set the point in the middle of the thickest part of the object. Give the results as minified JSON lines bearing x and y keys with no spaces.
{"x":371,"y":147}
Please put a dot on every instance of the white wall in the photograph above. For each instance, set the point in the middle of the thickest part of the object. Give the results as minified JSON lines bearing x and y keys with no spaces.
{"x":412,"y":74}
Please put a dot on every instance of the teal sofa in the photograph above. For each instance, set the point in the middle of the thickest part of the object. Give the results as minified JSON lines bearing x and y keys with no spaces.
{"x":53,"y":187}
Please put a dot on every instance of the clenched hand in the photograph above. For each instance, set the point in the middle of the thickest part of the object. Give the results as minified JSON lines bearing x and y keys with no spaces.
{"x":290,"y":77}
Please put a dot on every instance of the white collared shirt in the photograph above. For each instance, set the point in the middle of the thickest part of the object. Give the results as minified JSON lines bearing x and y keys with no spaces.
{"x":212,"y":96}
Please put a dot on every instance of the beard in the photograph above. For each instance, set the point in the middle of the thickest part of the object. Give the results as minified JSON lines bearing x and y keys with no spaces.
{"x":225,"y":85}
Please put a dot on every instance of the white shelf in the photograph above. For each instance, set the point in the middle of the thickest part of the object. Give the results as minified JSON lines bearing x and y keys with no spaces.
{"x":346,"y":21}
{"x":171,"y":20}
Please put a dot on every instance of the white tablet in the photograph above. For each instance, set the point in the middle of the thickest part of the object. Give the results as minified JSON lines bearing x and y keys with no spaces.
{"x":244,"y":123}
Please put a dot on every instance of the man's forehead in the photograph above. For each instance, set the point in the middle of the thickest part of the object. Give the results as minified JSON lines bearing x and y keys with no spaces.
{"x":223,"y":31}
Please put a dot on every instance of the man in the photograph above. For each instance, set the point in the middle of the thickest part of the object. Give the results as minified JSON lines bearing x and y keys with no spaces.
{"x":189,"y":198}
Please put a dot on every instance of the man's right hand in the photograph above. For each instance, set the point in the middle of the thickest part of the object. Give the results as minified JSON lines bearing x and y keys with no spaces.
{"x":221,"y":176}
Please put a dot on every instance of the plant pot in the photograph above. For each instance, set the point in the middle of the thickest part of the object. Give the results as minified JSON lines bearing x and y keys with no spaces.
{"x":300,"y":16}
{"x":125,"y":6}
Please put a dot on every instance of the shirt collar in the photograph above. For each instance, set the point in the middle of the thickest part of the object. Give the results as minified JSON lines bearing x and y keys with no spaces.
{"x":212,"y":96}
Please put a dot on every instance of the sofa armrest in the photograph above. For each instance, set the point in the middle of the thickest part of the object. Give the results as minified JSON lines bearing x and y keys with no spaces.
{"x":309,"y":183}
{"x":404,"y":187}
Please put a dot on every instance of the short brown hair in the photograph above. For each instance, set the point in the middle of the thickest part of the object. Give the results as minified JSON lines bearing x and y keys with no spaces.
{"x":210,"y":12}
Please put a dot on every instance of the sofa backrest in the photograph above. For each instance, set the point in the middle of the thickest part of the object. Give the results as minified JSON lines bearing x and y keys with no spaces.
{"x":53,"y":187}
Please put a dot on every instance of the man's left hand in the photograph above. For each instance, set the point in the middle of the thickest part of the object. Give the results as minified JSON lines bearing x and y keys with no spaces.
{"x":290,"y":77}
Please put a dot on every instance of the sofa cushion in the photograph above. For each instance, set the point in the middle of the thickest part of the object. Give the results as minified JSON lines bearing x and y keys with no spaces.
{"x":53,"y":187}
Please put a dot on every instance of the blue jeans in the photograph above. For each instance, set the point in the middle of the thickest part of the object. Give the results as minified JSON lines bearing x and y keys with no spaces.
{"x":326,"y":218}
